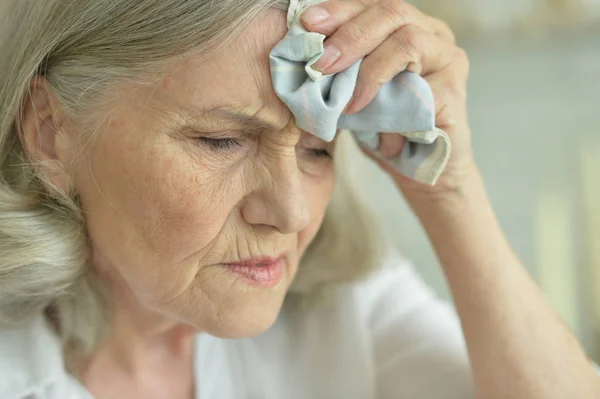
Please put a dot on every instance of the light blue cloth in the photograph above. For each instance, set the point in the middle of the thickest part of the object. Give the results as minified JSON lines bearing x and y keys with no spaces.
{"x":404,"y":106}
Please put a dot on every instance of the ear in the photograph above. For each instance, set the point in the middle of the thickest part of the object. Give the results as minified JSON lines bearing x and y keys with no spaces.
{"x":43,"y":133}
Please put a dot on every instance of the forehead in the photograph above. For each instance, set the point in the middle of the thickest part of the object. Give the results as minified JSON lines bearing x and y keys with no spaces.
{"x":236,"y":77}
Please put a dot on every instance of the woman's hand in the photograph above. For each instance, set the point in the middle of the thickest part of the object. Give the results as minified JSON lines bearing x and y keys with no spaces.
{"x":394,"y":36}
{"x":504,"y":316}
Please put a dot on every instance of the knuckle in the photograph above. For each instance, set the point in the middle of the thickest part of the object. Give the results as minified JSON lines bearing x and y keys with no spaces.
{"x":357,"y":34}
{"x":445,"y":29}
{"x":410,"y":40}
{"x":371,"y":80}
{"x":398,"y":11}
{"x":379,"y":80}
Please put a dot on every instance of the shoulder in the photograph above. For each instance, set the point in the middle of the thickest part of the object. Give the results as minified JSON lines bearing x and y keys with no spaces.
{"x":395,"y":293}
{"x":30,"y":357}
{"x":396,"y":277}
{"x":392,"y":289}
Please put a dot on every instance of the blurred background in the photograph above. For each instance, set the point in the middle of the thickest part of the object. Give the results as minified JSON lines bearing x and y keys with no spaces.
{"x":534,"y":110}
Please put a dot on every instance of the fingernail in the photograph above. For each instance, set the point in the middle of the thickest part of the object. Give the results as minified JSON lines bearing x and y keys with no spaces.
{"x":329,"y":57}
{"x":391,"y":145}
{"x":315,"y":15}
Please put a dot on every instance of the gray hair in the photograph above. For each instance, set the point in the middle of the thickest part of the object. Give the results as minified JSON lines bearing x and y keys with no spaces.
{"x":83,"y":48}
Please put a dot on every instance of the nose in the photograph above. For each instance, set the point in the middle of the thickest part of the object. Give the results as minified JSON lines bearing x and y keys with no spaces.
{"x":280,"y":201}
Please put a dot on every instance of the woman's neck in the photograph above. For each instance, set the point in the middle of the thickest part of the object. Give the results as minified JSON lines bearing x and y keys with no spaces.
{"x":140,"y":341}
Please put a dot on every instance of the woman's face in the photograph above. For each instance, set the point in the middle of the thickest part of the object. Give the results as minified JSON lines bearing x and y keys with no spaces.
{"x":201,"y":171}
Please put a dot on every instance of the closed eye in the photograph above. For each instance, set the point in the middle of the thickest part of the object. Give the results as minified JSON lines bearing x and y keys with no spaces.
{"x":219,"y":144}
{"x":320,"y":153}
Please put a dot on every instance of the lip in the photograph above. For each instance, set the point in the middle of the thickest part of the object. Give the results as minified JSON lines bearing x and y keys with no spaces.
{"x":261,"y":271}
{"x":260,"y":260}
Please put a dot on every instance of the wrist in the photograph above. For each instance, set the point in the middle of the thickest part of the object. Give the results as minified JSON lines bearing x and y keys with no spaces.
{"x":462,"y":226}
{"x":449,"y":195}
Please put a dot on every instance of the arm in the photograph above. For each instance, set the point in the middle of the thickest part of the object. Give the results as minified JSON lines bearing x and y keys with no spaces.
{"x":517,"y":345}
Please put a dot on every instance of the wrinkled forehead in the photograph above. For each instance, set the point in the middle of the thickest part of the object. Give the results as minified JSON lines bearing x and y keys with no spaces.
{"x":236,"y":76}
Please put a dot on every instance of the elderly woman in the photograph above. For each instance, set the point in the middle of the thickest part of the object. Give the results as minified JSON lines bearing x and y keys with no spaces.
{"x":167,"y":231}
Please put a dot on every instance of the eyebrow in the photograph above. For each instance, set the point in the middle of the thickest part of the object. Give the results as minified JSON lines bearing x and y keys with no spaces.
{"x":250,"y":123}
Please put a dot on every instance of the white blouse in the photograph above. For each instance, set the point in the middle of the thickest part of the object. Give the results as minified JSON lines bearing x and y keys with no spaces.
{"x":386,"y":337}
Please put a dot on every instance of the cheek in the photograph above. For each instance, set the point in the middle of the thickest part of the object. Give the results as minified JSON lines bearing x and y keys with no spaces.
{"x":151,"y":209}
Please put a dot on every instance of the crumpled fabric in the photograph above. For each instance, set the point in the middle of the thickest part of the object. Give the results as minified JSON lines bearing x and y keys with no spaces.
{"x":404,"y":106}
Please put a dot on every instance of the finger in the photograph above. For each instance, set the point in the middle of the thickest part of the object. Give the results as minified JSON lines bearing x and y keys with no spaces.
{"x":391,"y":144}
{"x":385,"y":165}
{"x":361,"y":35}
{"x":445,"y":114}
{"x":327,"y":17}
{"x":441,"y":29}
{"x":450,"y":93}
{"x":410,"y":48}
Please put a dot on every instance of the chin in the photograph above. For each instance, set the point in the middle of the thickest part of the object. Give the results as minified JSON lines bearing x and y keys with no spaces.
{"x":253,"y":320}
{"x":227,"y":305}
{"x":238,"y":310}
